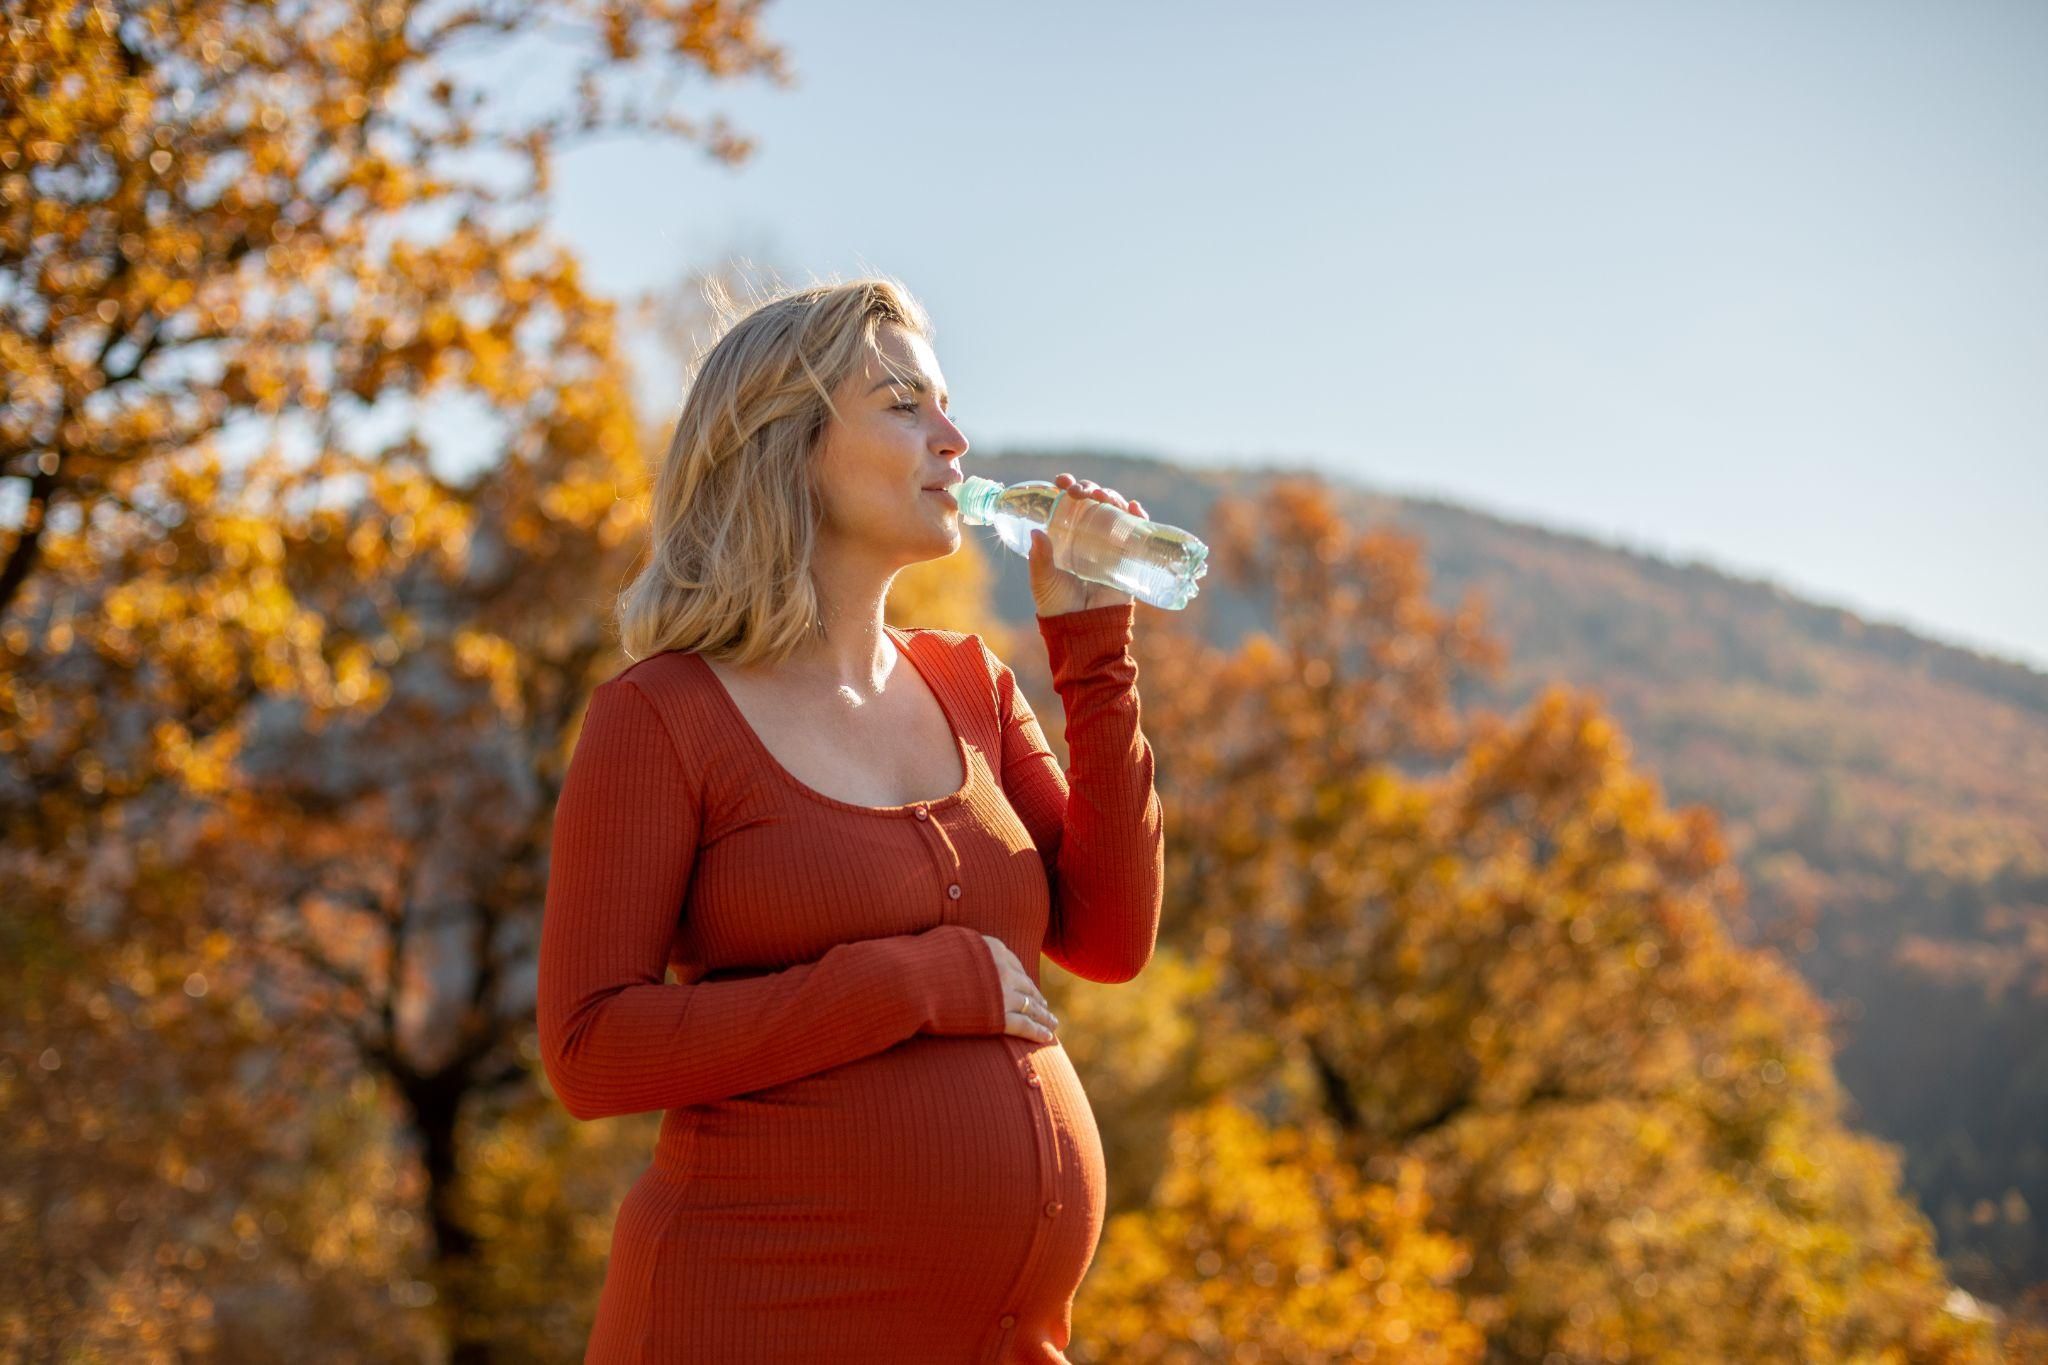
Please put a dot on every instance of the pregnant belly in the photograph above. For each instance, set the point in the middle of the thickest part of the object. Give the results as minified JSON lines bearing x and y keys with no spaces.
{"x":948,"y":1181}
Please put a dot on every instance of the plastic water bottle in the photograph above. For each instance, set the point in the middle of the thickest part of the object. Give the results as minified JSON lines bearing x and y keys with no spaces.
{"x":1098,"y":541}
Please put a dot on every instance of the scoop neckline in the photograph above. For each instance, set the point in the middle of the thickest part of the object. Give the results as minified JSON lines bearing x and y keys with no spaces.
{"x":906,"y":808}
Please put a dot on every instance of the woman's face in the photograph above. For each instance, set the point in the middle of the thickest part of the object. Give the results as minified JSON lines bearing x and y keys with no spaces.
{"x":890,"y":444}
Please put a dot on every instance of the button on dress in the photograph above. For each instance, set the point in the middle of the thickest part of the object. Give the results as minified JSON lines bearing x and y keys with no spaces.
{"x":854,"y":1163}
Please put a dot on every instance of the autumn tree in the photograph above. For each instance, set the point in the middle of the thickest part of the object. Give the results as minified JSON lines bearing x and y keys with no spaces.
{"x":1479,"y":948}
{"x":228,"y":234}
{"x":280,"y":697}
{"x":1260,"y":1242}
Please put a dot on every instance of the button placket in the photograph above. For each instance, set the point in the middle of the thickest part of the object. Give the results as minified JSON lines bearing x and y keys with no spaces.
{"x":944,"y":857}
{"x":999,"y":1350}
{"x":1048,"y":1184}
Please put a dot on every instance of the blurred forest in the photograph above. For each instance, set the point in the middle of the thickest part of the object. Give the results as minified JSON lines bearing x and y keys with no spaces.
{"x":1884,"y":799}
{"x":1451,"y":1050}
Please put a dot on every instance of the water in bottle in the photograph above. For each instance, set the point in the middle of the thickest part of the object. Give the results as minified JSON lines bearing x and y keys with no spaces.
{"x":1098,"y":541}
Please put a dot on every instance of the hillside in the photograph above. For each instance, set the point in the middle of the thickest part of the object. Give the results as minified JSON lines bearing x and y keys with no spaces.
{"x":1886,"y":796}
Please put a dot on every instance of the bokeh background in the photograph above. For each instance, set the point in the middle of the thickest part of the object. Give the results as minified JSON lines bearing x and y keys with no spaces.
{"x":1606,"y":768}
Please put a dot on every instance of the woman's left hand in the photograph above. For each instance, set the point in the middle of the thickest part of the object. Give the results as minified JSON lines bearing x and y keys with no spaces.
{"x":1058,"y":592}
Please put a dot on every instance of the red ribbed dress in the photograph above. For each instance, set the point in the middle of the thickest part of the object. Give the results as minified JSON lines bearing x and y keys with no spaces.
{"x":855,"y":1162}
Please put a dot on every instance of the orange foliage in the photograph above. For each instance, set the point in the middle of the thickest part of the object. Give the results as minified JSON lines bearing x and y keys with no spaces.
{"x":1261,"y":1243}
{"x":1512,"y":974}
{"x":239,"y":609}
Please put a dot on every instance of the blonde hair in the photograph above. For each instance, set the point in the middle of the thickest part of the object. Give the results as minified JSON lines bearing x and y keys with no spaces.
{"x":736,"y":506}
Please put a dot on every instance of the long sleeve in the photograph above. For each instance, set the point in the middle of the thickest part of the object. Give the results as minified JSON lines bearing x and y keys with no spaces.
{"x":616,"y":1037}
{"x":1097,"y":827}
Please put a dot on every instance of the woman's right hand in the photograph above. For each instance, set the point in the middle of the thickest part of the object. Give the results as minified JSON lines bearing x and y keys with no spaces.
{"x":1025,"y":1012}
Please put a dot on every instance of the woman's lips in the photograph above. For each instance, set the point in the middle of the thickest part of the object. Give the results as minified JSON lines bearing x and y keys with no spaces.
{"x":942,"y":493}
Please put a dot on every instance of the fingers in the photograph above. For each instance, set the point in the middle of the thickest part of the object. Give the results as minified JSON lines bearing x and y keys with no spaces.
{"x":1017,"y":982}
{"x":1035,"y":1017}
{"x":1018,"y":987}
{"x":1025,"y":1011}
{"x":1033,"y":1021}
{"x":1088,"y":488}
{"x":1019,"y":1026}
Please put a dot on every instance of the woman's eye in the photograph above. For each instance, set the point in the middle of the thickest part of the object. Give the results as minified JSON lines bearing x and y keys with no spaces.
{"x":904,"y":407}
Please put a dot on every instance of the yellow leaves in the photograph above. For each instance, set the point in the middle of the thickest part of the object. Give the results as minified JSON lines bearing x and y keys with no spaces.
{"x":484,"y":654}
{"x":57,"y":26}
{"x":491,"y":360}
{"x":407,"y":513}
{"x":1656,"y":1136}
{"x":1136,"y":1035}
{"x":580,"y":500}
{"x":205,"y":767}
{"x":357,"y":679}
{"x":366,"y":545}
{"x":1263,"y":1237}
{"x":259,"y":379}
{"x":198,"y":583}
{"x":441,"y":325}
{"x":243,"y":540}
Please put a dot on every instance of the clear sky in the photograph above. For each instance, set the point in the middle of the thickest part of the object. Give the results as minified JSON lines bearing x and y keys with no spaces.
{"x":1761,"y":284}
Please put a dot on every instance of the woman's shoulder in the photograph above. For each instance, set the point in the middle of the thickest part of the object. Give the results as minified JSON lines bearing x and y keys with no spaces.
{"x":668,"y":669}
{"x":674,"y":684}
{"x":662,"y":703}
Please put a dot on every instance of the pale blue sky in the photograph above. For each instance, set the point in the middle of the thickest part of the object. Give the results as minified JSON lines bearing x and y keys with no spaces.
{"x":1762,"y":284}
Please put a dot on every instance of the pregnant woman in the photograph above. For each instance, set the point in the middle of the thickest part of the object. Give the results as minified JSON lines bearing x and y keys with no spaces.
{"x":852,"y":844}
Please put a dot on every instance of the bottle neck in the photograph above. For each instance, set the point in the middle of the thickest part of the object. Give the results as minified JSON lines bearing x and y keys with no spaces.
{"x":977,"y":498}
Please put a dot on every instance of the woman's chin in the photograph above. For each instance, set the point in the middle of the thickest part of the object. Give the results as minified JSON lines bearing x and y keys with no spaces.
{"x":939,"y":528}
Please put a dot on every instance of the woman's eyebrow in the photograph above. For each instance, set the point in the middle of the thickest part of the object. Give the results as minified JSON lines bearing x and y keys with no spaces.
{"x":915,"y":384}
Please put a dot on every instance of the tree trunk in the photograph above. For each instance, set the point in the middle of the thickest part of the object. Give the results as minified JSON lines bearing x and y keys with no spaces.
{"x":436,"y":1105}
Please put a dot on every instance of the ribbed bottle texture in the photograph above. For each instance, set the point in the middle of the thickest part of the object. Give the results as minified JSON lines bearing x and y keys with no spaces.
{"x":1098,"y":541}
